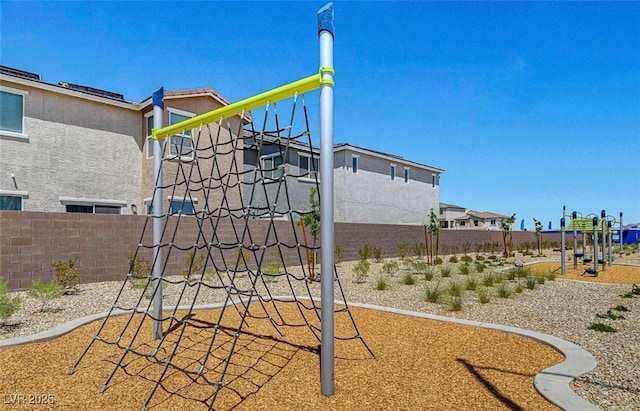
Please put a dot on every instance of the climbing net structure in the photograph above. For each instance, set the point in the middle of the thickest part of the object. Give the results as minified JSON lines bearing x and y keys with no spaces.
{"x":233,"y":237}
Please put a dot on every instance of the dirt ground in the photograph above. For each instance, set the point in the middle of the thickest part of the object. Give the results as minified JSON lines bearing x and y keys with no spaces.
{"x":419,"y":364}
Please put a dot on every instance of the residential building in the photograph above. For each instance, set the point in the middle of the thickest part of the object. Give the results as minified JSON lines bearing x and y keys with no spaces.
{"x":71,"y":148}
{"x":457,"y":217}
{"x":380,"y":188}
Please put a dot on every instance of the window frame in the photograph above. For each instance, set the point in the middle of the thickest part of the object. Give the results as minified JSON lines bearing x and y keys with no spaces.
{"x":355,"y":166}
{"x":308,"y":174}
{"x":188,"y":134}
{"x":23,"y":94}
{"x":149,"y":116}
{"x":270,"y":172}
{"x":184,"y":200}
{"x":392,"y":171}
{"x":84,"y":202}
{"x":17,"y":194}
{"x":406,"y":174}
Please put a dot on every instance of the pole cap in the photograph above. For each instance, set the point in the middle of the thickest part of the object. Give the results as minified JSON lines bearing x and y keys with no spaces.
{"x":325,"y":18}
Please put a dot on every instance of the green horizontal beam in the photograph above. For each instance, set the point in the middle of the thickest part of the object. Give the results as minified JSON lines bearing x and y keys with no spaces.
{"x":272,"y":96}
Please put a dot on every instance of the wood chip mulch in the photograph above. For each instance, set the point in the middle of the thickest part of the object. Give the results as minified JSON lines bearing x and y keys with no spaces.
{"x":419,"y":364}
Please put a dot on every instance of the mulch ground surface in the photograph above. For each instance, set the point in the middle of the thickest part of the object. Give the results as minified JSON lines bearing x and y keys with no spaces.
{"x":614,"y":274}
{"x":420,"y":364}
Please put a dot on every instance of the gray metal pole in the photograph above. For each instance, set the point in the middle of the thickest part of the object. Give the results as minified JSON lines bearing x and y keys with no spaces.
{"x":603,"y":216}
{"x":595,"y":244}
{"x":563,"y":268}
{"x":609,"y":242}
{"x":158,"y":115}
{"x":575,"y":242}
{"x":621,"y":231}
{"x":327,"y":349}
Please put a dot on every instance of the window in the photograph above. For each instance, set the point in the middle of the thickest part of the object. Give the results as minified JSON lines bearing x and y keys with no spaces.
{"x":9,"y":202}
{"x":182,"y":207}
{"x":93,"y":209}
{"x":462,"y":223}
{"x":493,"y":222}
{"x":181,"y":144}
{"x":271,"y":166}
{"x":393,"y":172}
{"x":309,"y":167}
{"x":149,"y":129}
{"x":354,"y":164}
{"x":475,"y":223}
{"x":406,"y":175}
{"x":433,"y":180}
{"x":12,"y":111}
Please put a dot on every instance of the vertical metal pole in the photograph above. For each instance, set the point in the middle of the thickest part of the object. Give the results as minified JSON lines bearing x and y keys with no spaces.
{"x":595,"y":244}
{"x":575,"y":241}
{"x":158,"y":115}
{"x":563,"y":268}
{"x":603,"y":217}
{"x":609,"y":242}
{"x":621,"y":231}
{"x":327,"y":356}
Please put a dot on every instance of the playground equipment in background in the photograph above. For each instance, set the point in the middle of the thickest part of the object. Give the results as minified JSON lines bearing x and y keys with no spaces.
{"x":597,"y":228}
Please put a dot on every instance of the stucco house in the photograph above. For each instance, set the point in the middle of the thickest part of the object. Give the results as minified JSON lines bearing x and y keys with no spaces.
{"x":457,"y":217}
{"x":71,"y":148}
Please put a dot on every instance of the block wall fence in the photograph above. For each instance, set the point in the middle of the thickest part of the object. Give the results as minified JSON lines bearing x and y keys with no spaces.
{"x":30,"y":241}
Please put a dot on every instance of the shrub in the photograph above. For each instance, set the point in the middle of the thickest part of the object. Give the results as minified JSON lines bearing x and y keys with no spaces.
{"x":483,"y":295}
{"x":192,"y":266}
{"x":8,"y":304}
{"x":488,"y":280}
{"x":480,"y":267}
{"x":610,"y":315}
{"x":403,"y":250}
{"x":503,"y":291}
{"x":518,"y":288}
{"x":390,"y":267}
{"x":382,"y":283}
{"x":466,"y":259}
{"x":530,"y":283}
{"x":361,"y":269}
{"x":621,"y":308}
{"x":510,"y":275}
{"x":453,"y":259}
{"x":212,"y":275}
{"x":603,"y":328}
{"x":437,"y":261}
{"x":479,"y":258}
{"x":377,"y":254}
{"x":418,"y":249}
{"x":455,"y":289}
{"x":365,"y":252}
{"x":428,"y":274}
{"x":541,"y":279}
{"x":522,"y":272}
{"x":432,"y":294}
{"x":45,"y":292}
{"x":66,"y":273}
{"x":408,"y":279}
{"x":550,"y":276}
{"x":420,"y":266}
{"x":465,"y":269}
{"x":270,"y":272}
{"x":445,"y":271}
{"x":338,"y":254}
{"x":471,"y":284}
{"x":498,"y":278}
{"x":454,"y":304}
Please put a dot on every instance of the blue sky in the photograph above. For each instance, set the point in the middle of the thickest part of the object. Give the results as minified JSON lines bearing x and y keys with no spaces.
{"x":528,"y":106}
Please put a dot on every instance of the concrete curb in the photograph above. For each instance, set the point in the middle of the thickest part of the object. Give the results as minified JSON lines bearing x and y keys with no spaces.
{"x":552,"y":383}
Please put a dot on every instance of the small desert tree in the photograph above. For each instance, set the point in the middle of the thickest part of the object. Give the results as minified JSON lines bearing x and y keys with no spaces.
{"x":434,"y":231}
{"x":9,"y":304}
{"x":538,"y":225}
{"x":311,"y":220}
{"x":505,"y":226}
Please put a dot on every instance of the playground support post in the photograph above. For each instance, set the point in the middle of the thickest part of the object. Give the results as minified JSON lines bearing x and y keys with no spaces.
{"x":327,"y":349}
{"x":575,"y":242}
{"x":603,"y":216}
{"x":621,"y":231}
{"x":562,"y":246}
{"x":595,"y":244}
{"x":158,"y":115}
{"x":609,"y":242}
